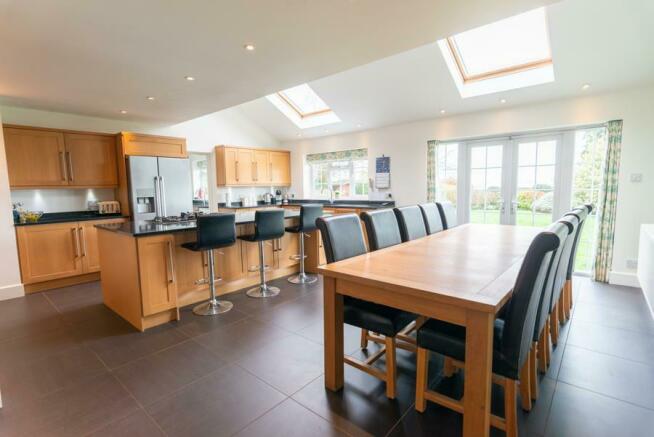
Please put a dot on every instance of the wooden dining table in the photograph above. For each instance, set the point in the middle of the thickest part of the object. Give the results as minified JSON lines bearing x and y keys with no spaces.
{"x":463,"y":276}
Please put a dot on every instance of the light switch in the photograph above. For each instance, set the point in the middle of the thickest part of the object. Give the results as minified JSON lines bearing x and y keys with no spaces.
{"x":636,"y":177}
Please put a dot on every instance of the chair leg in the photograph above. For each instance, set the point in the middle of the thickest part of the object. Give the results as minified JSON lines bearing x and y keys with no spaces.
{"x":448,"y":367}
{"x":567,"y":290}
{"x":510,"y":407}
{"x":554,"y":324}
{"x":422,"y":370}
{"x":364,"y":339}
{"x":548,"y":343}
{"x":533,"y":371}
{"x":561,"y":307}
{"x":525,"y":385}
{"x":542,"y":353}
{"x":391,"y":368}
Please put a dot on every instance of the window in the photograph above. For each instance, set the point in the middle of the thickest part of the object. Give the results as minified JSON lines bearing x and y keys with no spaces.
{"x":447,"y":159}
{"x":200,"y":179}
{"x":345,"y":173}
{"x":303,"y":107}
{"x":590,"y":154}
{"x":507,"y":54}
{"x":535,"y":190}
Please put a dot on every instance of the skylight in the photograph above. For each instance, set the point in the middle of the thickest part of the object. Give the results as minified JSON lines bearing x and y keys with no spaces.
{"x":303,"y":107}
{"x":507,"y":54}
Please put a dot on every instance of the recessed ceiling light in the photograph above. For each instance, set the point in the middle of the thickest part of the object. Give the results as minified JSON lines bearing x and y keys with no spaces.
{"x":585,"y":86}
{"x":299,"y":135}
{"x":150,"y":98}
{"x":442,"y":111}
{"x":189,"y":78}
{"x":502,"y":100}
{"x":359,"y":125}
{"x":326,"y":130}
{"x":249,"y":47}
{"x":122,"y":111}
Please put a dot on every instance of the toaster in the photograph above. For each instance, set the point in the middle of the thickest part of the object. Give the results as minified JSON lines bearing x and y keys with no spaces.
{"x":109,"y":207}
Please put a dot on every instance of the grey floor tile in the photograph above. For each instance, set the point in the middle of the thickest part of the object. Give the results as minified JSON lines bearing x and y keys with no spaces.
{"x":23,"y":316}
{"x":36,"y":346}
{"x":138,"y":424}
{"x":192,"y":325}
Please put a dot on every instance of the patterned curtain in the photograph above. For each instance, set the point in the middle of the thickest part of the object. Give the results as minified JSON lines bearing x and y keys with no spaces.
{"x":342,"y":155}
{"x":431,"y":170}
{"x":607,"y":203}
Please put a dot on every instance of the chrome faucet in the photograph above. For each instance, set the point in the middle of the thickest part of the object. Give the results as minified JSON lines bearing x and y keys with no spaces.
{"x":331,"y":194}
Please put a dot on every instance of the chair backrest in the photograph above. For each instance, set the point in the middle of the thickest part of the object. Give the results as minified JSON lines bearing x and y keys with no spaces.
{"x":412,"y":225}
{"x":382,"y":228}
{"x":432,"y":217}
{"x":342,"y":236}
{"x":581,"y":212}
{"x":216,"y":230}
{"x":522,"y":309}
{"x":308,"y":215}
{"x":448,"y":214}
{"x":269,"y":224}
{"x":546,"y":296}
{"x":562,"y":269}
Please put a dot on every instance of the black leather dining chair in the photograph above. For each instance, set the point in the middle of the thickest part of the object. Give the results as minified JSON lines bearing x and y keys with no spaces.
{"x":432,"y":218}
{"x":214,"y":231}
{"x":512,"y":335}
{"x":582,"y":213}
{"x":268,"y":225}
{"x":411,"y":223}
{"x":382,"y":228}
{"x":448,"y":214}
{"x":343,"y":238}
{"x":307,"y":223}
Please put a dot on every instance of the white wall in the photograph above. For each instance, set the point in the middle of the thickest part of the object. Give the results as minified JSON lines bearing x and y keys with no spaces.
{"x":406,"y":144}
{"x":10,"y":284}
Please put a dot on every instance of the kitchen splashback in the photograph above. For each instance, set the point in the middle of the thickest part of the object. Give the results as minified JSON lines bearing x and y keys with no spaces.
{"x":60,"y":200}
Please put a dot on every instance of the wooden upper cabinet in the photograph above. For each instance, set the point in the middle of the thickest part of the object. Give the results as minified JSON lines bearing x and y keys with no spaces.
{"x":49,"y":252}
{"x":280,"y":168}
{"x":153,"y":145}
{"x":35,"y":158}
{"x":91,"y":160}
{"x":244,"y":166}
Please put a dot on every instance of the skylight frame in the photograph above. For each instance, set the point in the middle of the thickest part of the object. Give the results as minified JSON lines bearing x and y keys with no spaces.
{"x":298,"y":111}
{"x":303,"y":120}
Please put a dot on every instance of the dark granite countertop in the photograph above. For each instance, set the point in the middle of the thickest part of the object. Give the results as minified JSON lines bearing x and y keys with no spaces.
{"x":145,"y":228}
{"x":72,"y":216}
{"x":361,"y":204}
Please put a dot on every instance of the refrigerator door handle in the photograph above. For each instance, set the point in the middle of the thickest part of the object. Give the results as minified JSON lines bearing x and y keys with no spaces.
{"x":157,"y":198}
{"x":162,"y":191}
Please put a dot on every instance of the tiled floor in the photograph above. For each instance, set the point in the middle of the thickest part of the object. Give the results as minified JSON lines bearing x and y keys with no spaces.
{"x":70,"y":367}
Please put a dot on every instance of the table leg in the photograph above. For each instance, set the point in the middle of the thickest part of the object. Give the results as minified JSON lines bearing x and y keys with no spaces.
{"x":478,"y":373}
{"x":333,"y":335}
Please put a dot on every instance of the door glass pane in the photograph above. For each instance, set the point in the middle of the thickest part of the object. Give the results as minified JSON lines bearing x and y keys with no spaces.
{"x":535,"y":185}
{"x":486,"y":184}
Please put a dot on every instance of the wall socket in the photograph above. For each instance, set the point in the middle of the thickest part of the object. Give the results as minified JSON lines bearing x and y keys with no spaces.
{"x":632,"y":264}
{"x":636,"y":177}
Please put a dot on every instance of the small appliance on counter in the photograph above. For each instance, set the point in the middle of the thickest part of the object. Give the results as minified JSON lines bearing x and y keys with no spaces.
{"x":278,"y":196}
{"x":268,"y":199}
{"x":109,"y":207}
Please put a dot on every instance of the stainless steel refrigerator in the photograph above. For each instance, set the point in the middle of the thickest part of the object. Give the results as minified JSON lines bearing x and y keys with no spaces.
{"x":159,"y":187}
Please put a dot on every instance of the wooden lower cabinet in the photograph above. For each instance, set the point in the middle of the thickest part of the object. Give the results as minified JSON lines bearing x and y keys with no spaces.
{"x":286,"y":247}
{"x":157,"y":273}
{"x":89,"y":241}
{"x":251,"y":256}
{"x":228,"y":262}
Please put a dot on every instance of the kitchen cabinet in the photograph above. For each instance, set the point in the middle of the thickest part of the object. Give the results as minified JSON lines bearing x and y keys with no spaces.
{"x":285,"y":247}
{"x":152,"y":145}
{"x":228,"y":263}
{"x":35,"y":158}
{"x":251,"y":256}
{"x":42,"y":158}
{"x":60,"y":250}
{"x":157,"y":273}
{"x":252,"y":167}
{"x":91,"y":160}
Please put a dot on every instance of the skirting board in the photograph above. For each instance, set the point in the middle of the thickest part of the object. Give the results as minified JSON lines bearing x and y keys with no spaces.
{"x":11,"y":291}
{"x":624,"y":278}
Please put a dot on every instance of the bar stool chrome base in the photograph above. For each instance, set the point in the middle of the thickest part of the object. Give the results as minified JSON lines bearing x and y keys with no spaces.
{"x":263,"y":290}
{"x":212,"y":307}
{"x":302,"y":278}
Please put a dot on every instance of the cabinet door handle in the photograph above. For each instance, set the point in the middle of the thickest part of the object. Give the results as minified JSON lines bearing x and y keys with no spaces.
{"x":81,"y":234}
{"x":236,"y":166}
{"x":254,"y":171}
{"x":70,"y":166}
{"x":270,"y":171}
{"x":172,"y":262}
{"x":75,"y":242}
{"x":64,"y":170}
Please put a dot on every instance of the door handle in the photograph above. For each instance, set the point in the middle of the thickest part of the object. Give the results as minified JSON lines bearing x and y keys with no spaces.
{"x":64,"y":169}
{"x":162,"y":190}
{"x":81,"y":233}
{"x":172,"y":262}
{"x":70,"y":166}
{"x":270,"y":171}
{"x":75,"y":242}
{"x":236,"y":167}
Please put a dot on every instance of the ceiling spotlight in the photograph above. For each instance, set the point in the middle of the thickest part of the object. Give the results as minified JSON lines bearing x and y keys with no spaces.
{"x":442,"y":111}
{"x":585,"y":86}
{"x":249,"y":47}
{"x":299,"y":135}
{"x":122,"y":111}
{"x":326,"y":130}
{"x":189,"y":78}
{"x":150,"y":98}
{"x":359,"y":125}
{"x":502,"y":100}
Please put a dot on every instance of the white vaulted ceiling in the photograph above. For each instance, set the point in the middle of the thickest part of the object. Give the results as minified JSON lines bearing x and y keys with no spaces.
{"x":97,"y":57}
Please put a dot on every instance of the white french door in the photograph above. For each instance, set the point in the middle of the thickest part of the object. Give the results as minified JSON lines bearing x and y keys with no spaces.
{"x":514,"y":181}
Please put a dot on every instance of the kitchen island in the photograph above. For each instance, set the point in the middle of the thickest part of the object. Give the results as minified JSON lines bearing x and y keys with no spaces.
{"x":147,"y":275}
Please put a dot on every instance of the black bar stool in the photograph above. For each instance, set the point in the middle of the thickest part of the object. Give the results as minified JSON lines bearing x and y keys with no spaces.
{"x":308,"y":215}
{"x":213,"y":232}
{"x":268,"y":225}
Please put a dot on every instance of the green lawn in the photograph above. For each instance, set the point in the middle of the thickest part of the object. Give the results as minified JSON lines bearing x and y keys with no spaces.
{"x":583,"y":262}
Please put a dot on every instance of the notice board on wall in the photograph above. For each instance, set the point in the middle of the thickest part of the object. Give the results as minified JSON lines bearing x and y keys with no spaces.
{"x":383,"y":172}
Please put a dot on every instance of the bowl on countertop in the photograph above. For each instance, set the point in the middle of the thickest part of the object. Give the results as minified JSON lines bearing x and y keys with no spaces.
{"x":30,"y":216}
